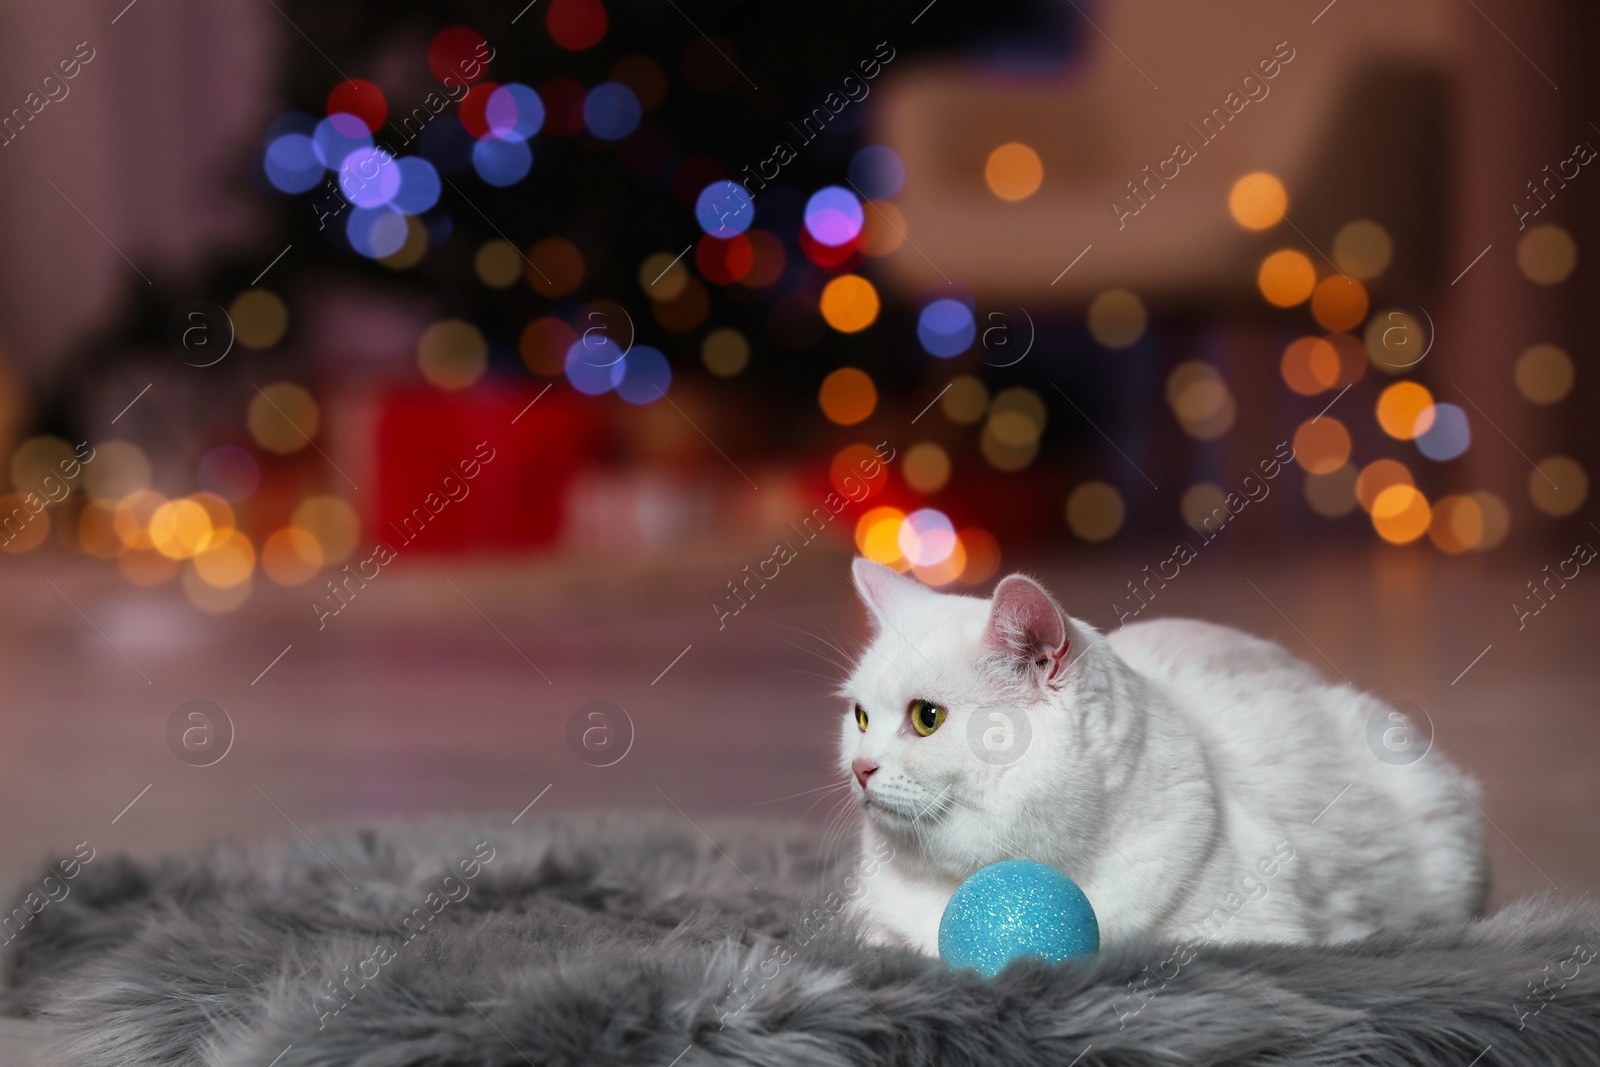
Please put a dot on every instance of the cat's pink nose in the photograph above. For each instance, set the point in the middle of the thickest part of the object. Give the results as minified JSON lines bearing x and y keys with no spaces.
{"x":863,"y":769}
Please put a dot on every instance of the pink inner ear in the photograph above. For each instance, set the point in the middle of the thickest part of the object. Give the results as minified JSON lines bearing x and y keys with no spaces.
{"x":1025,"y":621}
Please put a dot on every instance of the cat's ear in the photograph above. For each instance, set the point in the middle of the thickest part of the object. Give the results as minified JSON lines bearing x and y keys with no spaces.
{"x":1026,"y":623}
{"x":882,"y":589}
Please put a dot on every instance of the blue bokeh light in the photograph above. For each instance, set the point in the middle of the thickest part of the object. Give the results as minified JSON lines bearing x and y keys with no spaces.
{"x":369,"y":178}
{"x":945,"y":328}
{"x":643,"y":377}
{"x":724,"y":209}
{"x":291,"y":164}
{"x":611,"y":111}
{"x":514,"y":112}
{"x":834,"y":216}
{"x":1448,"y":437}
{"x":501,"y":163}
{"x":337,"y":136}
{"x":876,"y":170}
{"x":590,"y":360}
{"x":376,"y":232}
{"x":419,"y":185}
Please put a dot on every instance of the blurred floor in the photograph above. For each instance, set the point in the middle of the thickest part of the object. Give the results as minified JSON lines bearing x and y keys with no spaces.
{"x":415,"y":700}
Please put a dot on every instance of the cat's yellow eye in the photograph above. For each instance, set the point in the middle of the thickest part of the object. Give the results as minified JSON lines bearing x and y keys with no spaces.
{"x":861,"y":718}
{"x":926,"y":716}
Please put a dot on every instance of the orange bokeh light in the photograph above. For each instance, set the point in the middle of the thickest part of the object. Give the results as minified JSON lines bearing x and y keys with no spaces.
{"x":849,"y":303}
{"x":1286,"y":278}
{"x":1401,"y":514}
{"x":1377,"y":476}
{"x":1310,"y":365}
{"x":1013,"y":171}
{"x":1321,"y":445}
{"x":878,"y":537}
{"x":847,"y":396}
{"x":1339,"y":303}
{"x":1405,"y":410}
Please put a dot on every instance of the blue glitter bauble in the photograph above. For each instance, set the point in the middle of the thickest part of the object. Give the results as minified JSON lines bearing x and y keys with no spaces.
{"x":1013,"y":909}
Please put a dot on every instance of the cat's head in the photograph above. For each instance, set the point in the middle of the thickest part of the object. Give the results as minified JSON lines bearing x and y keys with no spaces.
{"x":971,"y":724}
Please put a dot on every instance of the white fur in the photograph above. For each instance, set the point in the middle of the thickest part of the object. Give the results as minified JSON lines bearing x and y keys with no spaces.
{"x":1179,"y":771}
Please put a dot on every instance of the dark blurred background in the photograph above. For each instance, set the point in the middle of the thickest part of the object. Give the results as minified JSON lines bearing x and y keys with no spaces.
{"x":409,"y":407}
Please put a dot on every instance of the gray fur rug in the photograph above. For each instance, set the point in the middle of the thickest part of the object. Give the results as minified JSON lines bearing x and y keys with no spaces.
{"x":630,"y":939}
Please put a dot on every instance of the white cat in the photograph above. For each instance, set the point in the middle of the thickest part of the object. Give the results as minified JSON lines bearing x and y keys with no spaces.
{"x":1195,"y":781}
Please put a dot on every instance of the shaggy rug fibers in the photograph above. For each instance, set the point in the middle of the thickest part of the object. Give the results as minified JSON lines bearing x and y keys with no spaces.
{"x":632,"y":939}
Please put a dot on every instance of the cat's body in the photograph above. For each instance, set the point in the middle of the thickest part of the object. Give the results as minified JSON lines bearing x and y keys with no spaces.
{"x":1195,"y":781}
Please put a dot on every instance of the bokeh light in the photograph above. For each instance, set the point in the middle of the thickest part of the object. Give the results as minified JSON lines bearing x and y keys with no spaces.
{"x":180,"y":528}
{"x":336,"y":136}
{"x":833,"y":216}
{"x":1286,"y":278}
{"x":927,"y":537}
{"x":662,"y":275}
{"x":1405,"y":409}
{"x":945,"y":328}
{"x":877,"y":171}
{"x":848,"y":471}
{"x":965,"y":401}
{"x":360,"y":98}
{"x":1201,"y":400}
{"x":1377,"y":476}
{"x":1310,"y":365}
{"x":983,"y":555}
{"x":1544,"y":374}
{"x":1201,"y":502}
{"x":847,"y":396}
{"x":208,"y":598}
{"x":1013,"y":171}
{"x":1117,"y":318}
{"x":453,"y":52}
{"x":723,"y":262}
{"x":884,"y":230}
{"x":1401,"y":514}
{"x":1362,"y":249}
{"x":41,"y":458}
{"x":291,"y":556}
{"x":411,"y":251}
{"x":543,"y":345}
{"x":611,"y":111}
{"x":1339,"y":303}
{"x":1258,"y":201}
{"x":948,"y":569}
{"x":1446,"y":435}
{"x":643,"y":376}
{"x":926,"y":467}
{"x":555,"y":267}
{"x":878,"y":537}
{"x":1321,"y":445}
{"x":723,"y":209}
{"x":1558,"y":485}
{"x":131,"y":520}
{"x":645,"y":77}
{"x":725,"y":352}
{"x":1332,"y":495}
{"x":368,"y":177}
{"x":497,"y":263}
{"x":1547,"y":254}
{"x":1395,"y":341}
{"x":1095,"y":511}
{"x":145,"y":567}
{"x":452,"y":354}
{"x":686,"y":312}
{"x":376,"y":232}
{"x":419,"y":185}
{"x":27,"y":535}
{"x":589,"y":362}
{"x":515,"y":112}
{"x":1496,"y":519}
{"x":291,"y":164}
{"x":283,"y":418}
{"x":501,"y":163}
{"x":770,"y":259}
{"x":260,"y":318}
{"x":97,"y":536}
{"x":849,"y":303}
{"x":227,"y":562}
{"x":1457,"y":524}
{"x":118,"y":468}
{"x":333,"y":522}
{"x":576,"y":24}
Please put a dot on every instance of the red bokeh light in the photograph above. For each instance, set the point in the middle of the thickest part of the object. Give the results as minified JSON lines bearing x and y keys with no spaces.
{"x":576,"y":24}
{"x":362,"y":99}
{"x":475,"y":107}
{"x":724,"y":262}
{"x":845,"y":256}
{"x":563,"y":106}
{"x":458,"y":53}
